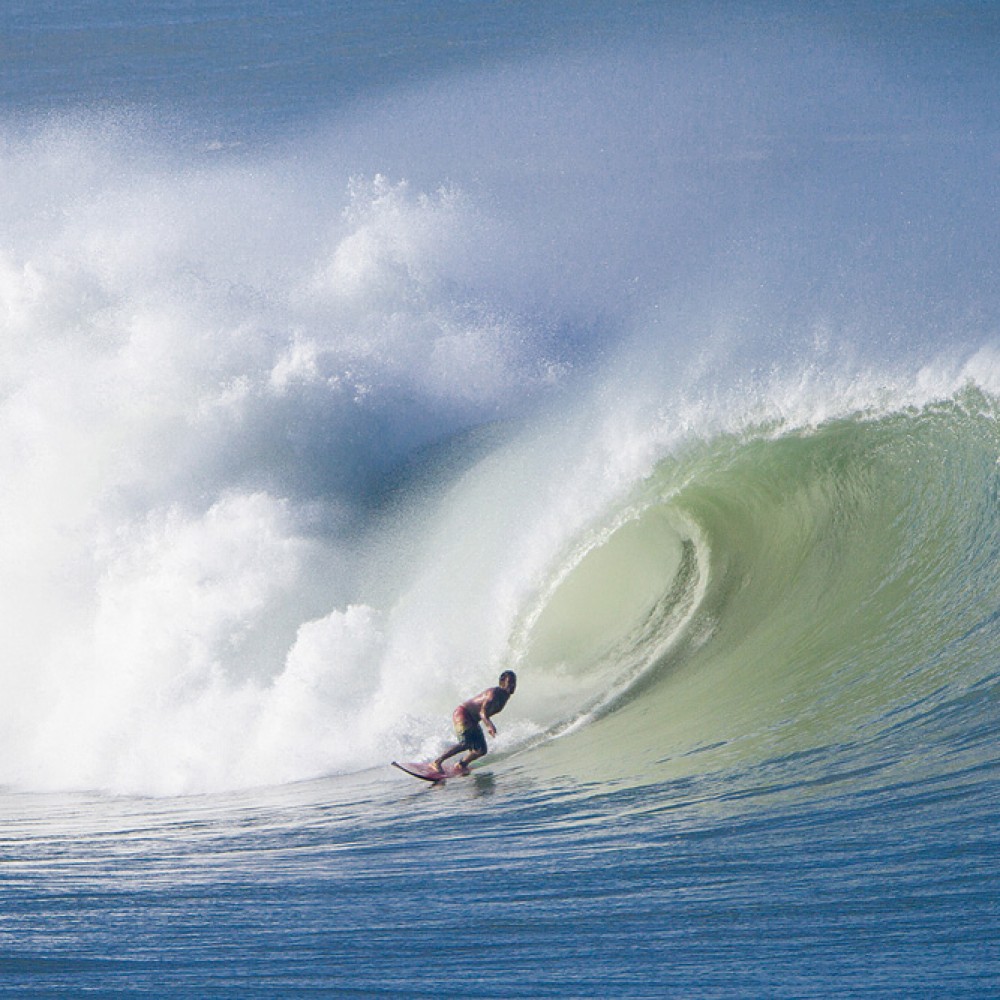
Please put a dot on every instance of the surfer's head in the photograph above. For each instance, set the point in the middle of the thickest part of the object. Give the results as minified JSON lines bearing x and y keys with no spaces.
{"x":508,"y":681}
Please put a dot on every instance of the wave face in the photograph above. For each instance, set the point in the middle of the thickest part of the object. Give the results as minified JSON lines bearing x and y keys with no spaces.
{"x":845,"y":593}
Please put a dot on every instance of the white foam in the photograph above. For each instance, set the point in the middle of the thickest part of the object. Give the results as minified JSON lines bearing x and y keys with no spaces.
{"x":197,"y":393}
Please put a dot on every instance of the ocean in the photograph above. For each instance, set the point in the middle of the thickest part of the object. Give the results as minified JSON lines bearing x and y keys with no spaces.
{"x":354,"y":353}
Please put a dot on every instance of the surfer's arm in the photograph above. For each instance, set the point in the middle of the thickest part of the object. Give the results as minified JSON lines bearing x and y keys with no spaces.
{"x":483,"y":703}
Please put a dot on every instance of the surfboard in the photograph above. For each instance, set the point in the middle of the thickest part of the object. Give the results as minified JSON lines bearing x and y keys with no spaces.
{"x":428,"y":773}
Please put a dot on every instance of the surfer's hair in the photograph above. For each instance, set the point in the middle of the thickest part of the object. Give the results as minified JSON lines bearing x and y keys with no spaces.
{"x":508,"y":675}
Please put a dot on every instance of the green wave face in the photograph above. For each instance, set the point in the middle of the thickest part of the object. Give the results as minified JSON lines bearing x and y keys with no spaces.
{"x":781,"y":592}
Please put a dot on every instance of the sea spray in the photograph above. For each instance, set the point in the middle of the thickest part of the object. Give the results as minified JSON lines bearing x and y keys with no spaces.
{"x":195,"y":435}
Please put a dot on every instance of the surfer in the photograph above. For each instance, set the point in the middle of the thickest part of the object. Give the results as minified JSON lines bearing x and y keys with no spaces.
{"x":467,"y":717}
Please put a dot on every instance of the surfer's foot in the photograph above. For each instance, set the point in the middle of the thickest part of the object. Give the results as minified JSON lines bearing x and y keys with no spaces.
{"x":462,"y":767}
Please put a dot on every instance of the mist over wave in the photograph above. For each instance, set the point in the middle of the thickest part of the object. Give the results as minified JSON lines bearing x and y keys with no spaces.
{"x":294,"y":436}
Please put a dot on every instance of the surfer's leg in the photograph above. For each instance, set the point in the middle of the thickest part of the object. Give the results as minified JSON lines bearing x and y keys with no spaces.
{"x":473,"y":755}
{"x":470,"y":735}
{"x":450,"y":752}
{"x":475,"y":742}
{"x":458,"y":720}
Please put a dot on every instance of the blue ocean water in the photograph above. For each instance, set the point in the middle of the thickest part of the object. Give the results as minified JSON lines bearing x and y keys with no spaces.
{"x":352,"y":354}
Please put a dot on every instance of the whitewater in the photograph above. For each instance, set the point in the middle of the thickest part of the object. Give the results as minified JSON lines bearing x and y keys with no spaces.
{"x":351,"y":357}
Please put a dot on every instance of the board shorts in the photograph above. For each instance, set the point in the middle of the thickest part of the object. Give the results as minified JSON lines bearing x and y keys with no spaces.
{"x":469,"y":732}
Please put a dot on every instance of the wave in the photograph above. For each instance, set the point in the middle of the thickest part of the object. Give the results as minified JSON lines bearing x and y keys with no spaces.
{"x":303,"y":442}
{"x":756,"y":593}
{"x":849,"y":595}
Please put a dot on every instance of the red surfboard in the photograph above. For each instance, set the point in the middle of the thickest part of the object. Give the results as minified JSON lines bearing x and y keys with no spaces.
{"x":428,"y":772}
